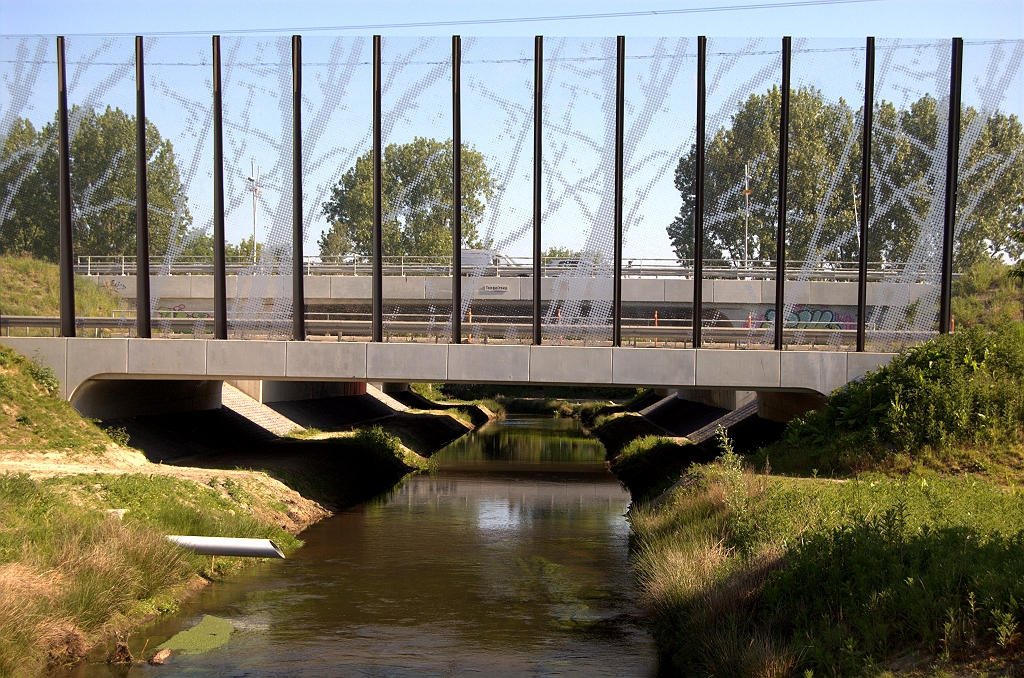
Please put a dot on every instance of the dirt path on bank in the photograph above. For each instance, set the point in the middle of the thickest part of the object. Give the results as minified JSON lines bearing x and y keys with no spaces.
{"x":299,"y":514}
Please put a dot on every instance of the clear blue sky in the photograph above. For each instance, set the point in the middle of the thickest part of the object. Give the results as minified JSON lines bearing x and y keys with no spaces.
{"x":882,"y":18}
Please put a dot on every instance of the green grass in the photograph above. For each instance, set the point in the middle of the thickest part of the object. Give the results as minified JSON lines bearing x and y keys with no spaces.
{"x":649,"y":465}
{"x":987,"y":295}
{"x":32,"y":417}
{"x":32,"y":287}
{"x":749,"y":575}
{"x":69,"y":573}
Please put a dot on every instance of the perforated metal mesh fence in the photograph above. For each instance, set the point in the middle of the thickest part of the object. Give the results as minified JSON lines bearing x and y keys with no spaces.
{"x":416,"y":133}
{"x":741,"y":183}
{"x":179,"y":105}
{"x":498,"y":133}
{"x":101,"y":130}
{"x":907,"y":199}
{"x":579,"y":171}
{"x":990,"y":201}
{"x":337,"y":145}
{"x":658,"y":191}
{"x":822,"y":231}
{"x":909,"y":168}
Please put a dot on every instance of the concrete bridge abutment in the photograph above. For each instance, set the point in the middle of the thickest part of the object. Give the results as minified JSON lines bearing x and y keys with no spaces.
{"x":122,"y":398}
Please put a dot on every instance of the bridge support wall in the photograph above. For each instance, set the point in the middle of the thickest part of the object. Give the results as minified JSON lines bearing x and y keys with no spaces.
{"x":726,"y":399}
{"x":267,"y":391}
{"x":782,"y":407}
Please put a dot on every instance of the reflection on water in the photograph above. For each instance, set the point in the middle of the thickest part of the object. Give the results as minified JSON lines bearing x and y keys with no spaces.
{"x":510,"y":560}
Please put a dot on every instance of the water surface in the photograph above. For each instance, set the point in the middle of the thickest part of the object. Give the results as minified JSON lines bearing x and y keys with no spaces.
{"x":510,"y":560}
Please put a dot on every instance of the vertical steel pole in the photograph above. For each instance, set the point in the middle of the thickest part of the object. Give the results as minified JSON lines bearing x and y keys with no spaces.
{"x":220,"y":301}
{"x":538,"y":128}
{"x":952,"y":172}
{"x":698,"y":204}
{"x":298,"y":287}
{"x":142,"y":317}
{"x":67,"y":261}
{"x":377,"y":228}
{"x":780,"y":242}
{"x":456,"y":190}
{"x":865,"y":191}
{"x":620,"y":115}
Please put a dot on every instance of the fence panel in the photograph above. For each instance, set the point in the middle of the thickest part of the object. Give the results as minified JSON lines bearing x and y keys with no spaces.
{"x":741,"y":192}
{"x":416,"y":133}
{"x":658,"y":192}
{"x":337,"y":157}
{"x":179,"y":105}
{"x":579,"y":181}
{"x":822,"y":229}
{"x":497,"y":214}
{"x":28,"y":183}
{"x":990,"y":200}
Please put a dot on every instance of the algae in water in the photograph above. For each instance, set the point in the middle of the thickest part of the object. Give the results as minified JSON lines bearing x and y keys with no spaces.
{"x":210,"y":633}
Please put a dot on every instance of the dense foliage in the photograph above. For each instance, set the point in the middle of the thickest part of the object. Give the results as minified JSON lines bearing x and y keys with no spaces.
{"x":417,"y":201}
{"x":824,"y":173}
{"x":962,"y":388}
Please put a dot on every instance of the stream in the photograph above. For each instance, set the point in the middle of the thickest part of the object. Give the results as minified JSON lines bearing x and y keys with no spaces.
{"x":512,"y":559}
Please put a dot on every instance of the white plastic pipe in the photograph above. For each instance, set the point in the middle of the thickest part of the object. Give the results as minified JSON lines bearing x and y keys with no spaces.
{"x":229,"y":546}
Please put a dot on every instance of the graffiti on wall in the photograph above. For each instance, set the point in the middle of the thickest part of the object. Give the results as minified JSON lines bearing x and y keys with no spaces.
{"x":180,"y":311}
{"x":811,"y":318}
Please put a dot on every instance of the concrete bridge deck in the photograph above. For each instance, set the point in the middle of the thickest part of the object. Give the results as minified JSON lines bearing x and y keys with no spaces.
{"x":81,"y":361}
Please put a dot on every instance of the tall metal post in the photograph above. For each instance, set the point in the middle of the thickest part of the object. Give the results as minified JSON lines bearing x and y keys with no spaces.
{"x":377,"y":330}
{"x":698,"y":203}
{"x":620,"y":114}
{"x":142,"y":311}
{"x":952,"y":172}
{"x":67,"y":261}
{"x":298,"y":287}
{"x":220,"y":301}
{"x":538,"y":128}
{"x":780,"y":243}
{"x":865,"y":191}
{"x":456,"y":191}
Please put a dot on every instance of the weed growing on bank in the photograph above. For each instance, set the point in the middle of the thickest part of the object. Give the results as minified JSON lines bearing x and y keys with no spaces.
{"x":70,"y":573}
{"x":649,"y":465}
{"x":931,"y":403}
{"x":33,"y":417}
{"x":748,"y":575}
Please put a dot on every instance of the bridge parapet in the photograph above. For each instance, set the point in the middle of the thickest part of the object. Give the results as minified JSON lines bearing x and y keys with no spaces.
{"x":77,"y":361}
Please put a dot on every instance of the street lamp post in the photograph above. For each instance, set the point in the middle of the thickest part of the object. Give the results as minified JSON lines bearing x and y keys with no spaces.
{"x":256,"y":189}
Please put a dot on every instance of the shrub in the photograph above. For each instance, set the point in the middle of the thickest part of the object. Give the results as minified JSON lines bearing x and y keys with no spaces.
{"x":963,"y":388}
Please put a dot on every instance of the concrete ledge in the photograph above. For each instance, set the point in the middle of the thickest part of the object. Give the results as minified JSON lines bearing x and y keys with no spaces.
{"x":654,"y":366}
{"x":406,"y":362}
{"x":244,"y":358}
{"x":570,"y":365}
{"x":475,"y":363}
{"x":166,"y":356}
{"x":351,"y":287}
{"x":748,"y":370}
{"x":51,"y":351}
{"x":409,"y":287}
{"x":88,"y":357}
{"x":325,"y":360}
{"x":860,"y":363}
{"x":821,"y":371}
{"x":316,"y":287}
{"x":643,"y":289}
{"x":736,"y":292}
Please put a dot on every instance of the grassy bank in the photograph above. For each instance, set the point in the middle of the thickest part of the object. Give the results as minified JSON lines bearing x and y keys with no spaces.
{"x":72,"y":573}
{"x":884,"y":535}
{"x":32,"y":287}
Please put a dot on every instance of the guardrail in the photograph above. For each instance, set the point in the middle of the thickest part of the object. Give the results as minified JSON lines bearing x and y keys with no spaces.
{"x":358,"y":265}
{"x":681,"y":331}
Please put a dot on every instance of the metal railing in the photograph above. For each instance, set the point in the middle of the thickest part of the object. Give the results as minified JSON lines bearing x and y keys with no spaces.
{"x":359,"y":265}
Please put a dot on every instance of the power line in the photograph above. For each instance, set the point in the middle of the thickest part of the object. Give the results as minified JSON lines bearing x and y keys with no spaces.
{"x":785,"y":4}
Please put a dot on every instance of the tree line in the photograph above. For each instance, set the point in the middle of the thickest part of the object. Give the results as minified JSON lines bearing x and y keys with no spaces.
{"x":824,"y":182}
{"x":417,"y":210}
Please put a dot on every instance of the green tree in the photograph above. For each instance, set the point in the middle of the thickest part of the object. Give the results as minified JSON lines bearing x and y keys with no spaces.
{"x":824,"y":177}
{"x":417,"y":201}
{"x":102,"y":187}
